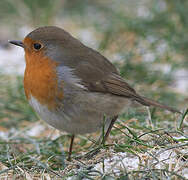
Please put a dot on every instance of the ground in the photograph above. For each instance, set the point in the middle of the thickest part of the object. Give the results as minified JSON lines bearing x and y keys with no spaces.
{"x":144,"y":144}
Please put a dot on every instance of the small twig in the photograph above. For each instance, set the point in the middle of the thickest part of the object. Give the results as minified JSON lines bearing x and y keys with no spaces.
{"x":152,"y":131}
{"x":171,"y":147}
{"x":149,"y":120}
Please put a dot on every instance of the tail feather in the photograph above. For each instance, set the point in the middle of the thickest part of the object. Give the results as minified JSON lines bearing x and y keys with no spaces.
{"x":149,"y":102}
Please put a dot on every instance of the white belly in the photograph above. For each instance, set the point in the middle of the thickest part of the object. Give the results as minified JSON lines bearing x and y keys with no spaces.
{"x":83,"y":114}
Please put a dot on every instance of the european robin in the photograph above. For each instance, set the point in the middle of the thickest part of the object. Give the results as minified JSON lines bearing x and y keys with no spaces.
{"x":72,"y":86}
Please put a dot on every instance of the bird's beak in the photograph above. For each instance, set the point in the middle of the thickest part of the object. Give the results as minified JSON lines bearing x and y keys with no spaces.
{"x":17,"y":43}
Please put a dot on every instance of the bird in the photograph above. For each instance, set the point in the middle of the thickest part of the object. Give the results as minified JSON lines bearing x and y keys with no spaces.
{"x":72,"y":86}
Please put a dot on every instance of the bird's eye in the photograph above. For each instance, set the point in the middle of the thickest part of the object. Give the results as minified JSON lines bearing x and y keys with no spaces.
{"x":37,"y":46}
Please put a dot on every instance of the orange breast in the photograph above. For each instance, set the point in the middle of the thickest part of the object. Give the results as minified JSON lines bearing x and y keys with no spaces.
{"x":40,"y":79}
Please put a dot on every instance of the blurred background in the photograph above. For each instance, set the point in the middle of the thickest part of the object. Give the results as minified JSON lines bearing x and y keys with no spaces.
{"x":146,"y":40}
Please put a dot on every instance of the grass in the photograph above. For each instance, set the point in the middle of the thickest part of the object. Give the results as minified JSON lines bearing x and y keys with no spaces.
{"x":43,"y":156}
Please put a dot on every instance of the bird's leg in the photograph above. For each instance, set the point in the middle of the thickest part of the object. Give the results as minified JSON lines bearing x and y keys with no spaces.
{"x":70,"y":148}
{"x":109,"y":129}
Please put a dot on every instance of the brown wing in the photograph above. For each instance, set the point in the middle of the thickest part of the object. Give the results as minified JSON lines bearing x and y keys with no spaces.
{"x":97,"y":80}
{"x":97,"y":73}
{"x":99,"y":77}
